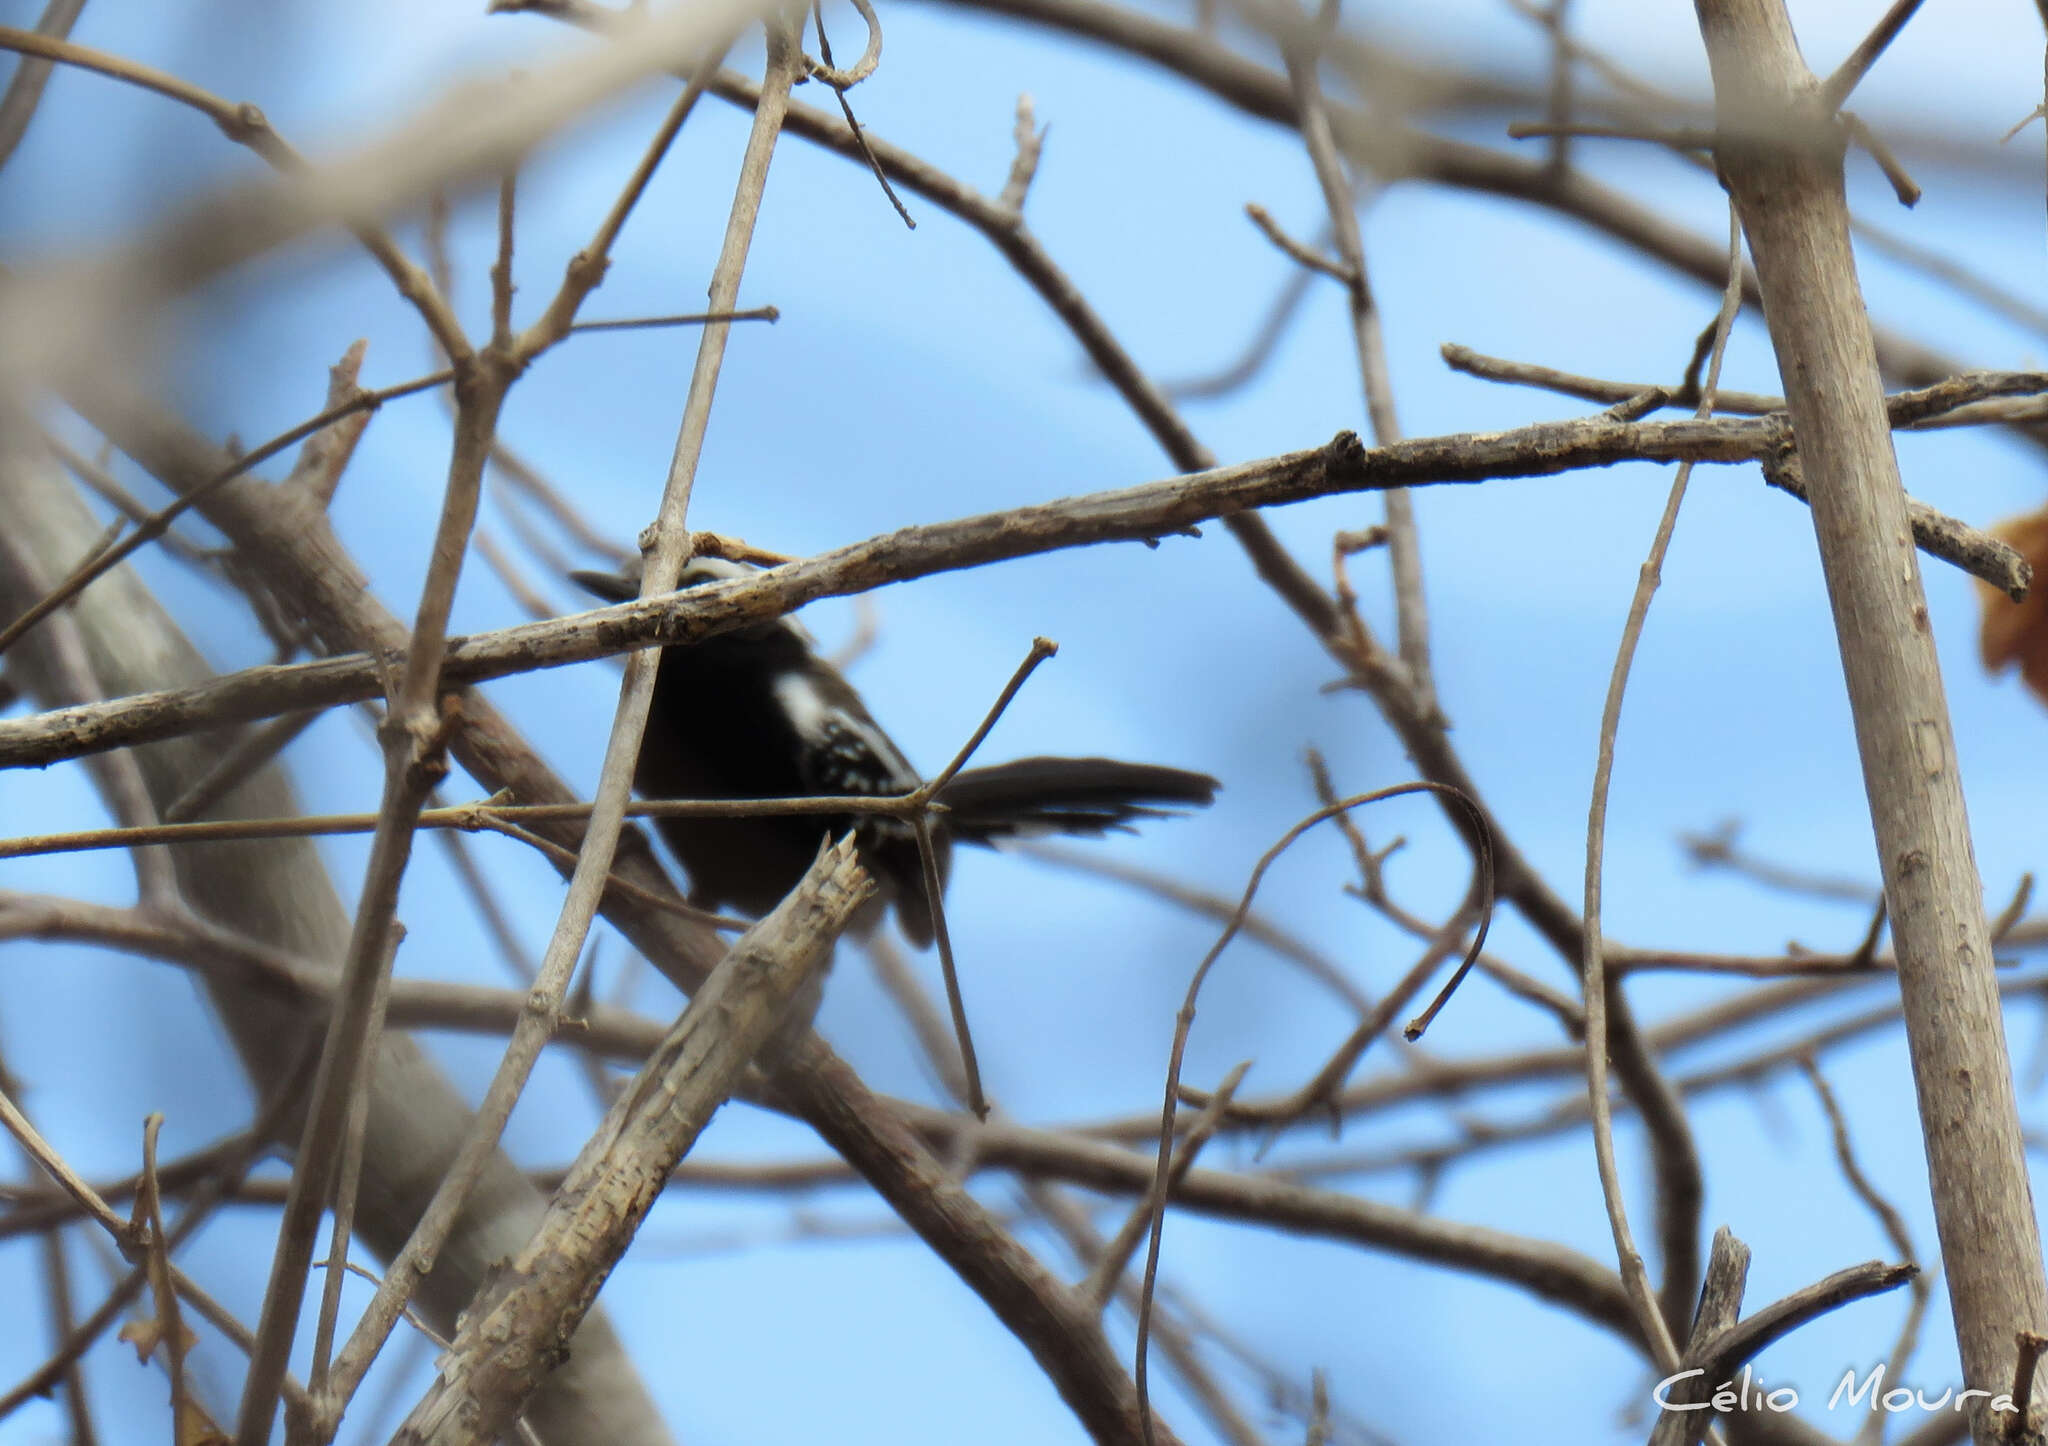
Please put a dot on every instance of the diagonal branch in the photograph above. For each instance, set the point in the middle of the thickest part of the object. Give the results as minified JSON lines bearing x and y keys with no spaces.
{"x":506,"y":1343}
{"x":1143,"y":513}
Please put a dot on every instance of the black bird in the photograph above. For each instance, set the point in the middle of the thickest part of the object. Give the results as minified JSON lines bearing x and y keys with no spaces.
{"x":755,"y":713}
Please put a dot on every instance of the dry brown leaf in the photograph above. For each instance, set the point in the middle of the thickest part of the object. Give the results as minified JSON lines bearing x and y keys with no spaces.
{"x":144,"y":1335}
{"x":196,"y":1428}
{"x":2018,"y":632}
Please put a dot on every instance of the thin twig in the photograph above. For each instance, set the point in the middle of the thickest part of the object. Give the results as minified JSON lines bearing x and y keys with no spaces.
{"x":1206,"y":904}
{"x":347,"y":1181}
{"x":25,"y":89}
{"x":1655,"y":1320}
{"x":587,"y":267}
{"x":1107,"y":1274}
{"x":237,"y":762}
{"x":107,"y":489}
{"x":1890,"y":1221}
{"x":1677,"y":138}
{"x":688,"y":318}
{"x":1404,"y":549}
{"x":501,"y":269}
{"x":69,"y":1181}
{"x":1298,"y":252}
{"x":147,"y":1221}
{"x":1041,"y":649}
{"x":1903,"y":185}
{"x":1030,"y":141}
{"x":325,"y":455}
{"x":956,"y":1002}
{"x":1835,"y":90}
{"x":414,"y":738}
{"x":840,"y":82}
{"x":1184,"y":1023}
{"x":593,"y":865}
{"x":104,"y":559}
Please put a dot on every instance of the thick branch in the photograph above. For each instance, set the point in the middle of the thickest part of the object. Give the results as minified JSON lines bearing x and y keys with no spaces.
{"x":1794,"y":210}
{"x":1143,"y":513}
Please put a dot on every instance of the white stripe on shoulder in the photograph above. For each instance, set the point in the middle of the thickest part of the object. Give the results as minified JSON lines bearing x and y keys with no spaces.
{"x":832,"y":734}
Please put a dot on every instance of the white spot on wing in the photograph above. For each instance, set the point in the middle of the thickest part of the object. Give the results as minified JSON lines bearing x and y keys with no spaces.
{"x":852,"y":754}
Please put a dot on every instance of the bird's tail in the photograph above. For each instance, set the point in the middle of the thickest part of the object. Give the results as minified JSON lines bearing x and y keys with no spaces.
{"x":1066,"y":795}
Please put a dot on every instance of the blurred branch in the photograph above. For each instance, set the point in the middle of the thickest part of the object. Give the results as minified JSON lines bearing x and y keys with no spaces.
{"x":277,"y":893}
{"x":65,"y":314}
{"x":25,"y":89}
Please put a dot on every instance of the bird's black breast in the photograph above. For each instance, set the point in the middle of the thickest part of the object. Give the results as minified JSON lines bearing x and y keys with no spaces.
{"x":716,"y":730}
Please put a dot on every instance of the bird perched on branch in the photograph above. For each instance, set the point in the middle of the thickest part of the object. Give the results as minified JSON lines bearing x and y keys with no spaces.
{"x":754,"y":712}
